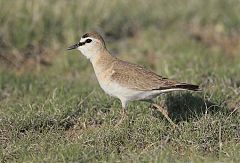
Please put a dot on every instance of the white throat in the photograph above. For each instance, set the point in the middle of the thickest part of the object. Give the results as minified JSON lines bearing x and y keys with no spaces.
{"x":89,"y":53}
{"x":90,"y":50}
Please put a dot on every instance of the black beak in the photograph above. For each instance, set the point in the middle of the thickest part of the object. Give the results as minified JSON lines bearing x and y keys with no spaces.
{"x":75,"y":46}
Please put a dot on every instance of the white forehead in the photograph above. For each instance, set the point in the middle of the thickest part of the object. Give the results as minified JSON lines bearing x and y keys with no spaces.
{"x":84,"y":39}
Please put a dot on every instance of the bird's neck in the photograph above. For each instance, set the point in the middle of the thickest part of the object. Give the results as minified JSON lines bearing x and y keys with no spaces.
{"x":102,"y":61}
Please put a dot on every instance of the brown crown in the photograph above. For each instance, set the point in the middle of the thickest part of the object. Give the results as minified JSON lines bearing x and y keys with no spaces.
{"x":94,"y":35}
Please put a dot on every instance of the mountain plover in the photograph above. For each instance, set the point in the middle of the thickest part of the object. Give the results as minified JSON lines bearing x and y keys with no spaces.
{"x":124,"y":80}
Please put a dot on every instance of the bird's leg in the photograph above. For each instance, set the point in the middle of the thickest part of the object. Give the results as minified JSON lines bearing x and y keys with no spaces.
{"x":123,"y":115}
{"x":161,"y":109}
{"x":123,"y":112}
{"x":164,"y":113}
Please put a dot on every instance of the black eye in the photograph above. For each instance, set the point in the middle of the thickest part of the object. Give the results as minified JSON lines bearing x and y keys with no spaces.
{"x":88,"y":41}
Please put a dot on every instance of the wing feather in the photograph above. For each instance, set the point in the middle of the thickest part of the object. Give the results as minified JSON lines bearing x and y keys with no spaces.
{"x":137,"y":77}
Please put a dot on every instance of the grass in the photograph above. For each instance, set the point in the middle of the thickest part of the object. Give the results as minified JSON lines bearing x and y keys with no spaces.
{"x":53,"y":110}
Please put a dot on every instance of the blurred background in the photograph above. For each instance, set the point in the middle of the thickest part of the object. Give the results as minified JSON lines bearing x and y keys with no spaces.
{"x":52,"y":108}
{"x":34,"y":34}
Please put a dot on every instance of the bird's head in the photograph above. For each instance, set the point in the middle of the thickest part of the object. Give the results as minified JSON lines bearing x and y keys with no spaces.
{"x":90,"y":44}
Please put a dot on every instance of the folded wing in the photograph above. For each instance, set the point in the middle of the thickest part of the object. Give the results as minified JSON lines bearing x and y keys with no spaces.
{"x":138,"y":78}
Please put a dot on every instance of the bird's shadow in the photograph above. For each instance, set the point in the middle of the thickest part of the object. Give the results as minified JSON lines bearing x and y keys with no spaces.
{"x":185,"y":106}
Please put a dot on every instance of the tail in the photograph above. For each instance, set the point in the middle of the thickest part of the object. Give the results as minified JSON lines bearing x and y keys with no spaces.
{"x":180,"y":86}
{"x":186,"y":86}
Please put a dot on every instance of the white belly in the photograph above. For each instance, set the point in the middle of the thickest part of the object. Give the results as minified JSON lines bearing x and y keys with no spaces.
{"x":116,"y":90}
{"x":123,"y":93}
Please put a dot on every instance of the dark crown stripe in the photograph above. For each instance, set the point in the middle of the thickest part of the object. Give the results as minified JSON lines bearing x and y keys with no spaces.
{"x":85,"y":35}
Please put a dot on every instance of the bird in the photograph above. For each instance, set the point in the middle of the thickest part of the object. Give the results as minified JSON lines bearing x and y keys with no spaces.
{"x":124,"y":80}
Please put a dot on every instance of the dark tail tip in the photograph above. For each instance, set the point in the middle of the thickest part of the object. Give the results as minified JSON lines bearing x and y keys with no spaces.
{"x":190,"y":87}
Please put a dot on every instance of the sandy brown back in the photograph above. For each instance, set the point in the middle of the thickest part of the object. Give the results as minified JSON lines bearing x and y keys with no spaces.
{"x":139,"y":78}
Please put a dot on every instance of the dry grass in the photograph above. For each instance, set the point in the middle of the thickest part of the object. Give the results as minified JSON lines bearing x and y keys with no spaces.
{"x":52,"y":109}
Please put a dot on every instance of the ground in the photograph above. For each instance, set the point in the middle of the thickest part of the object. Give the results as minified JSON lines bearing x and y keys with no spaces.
{"x":52,"y":108}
